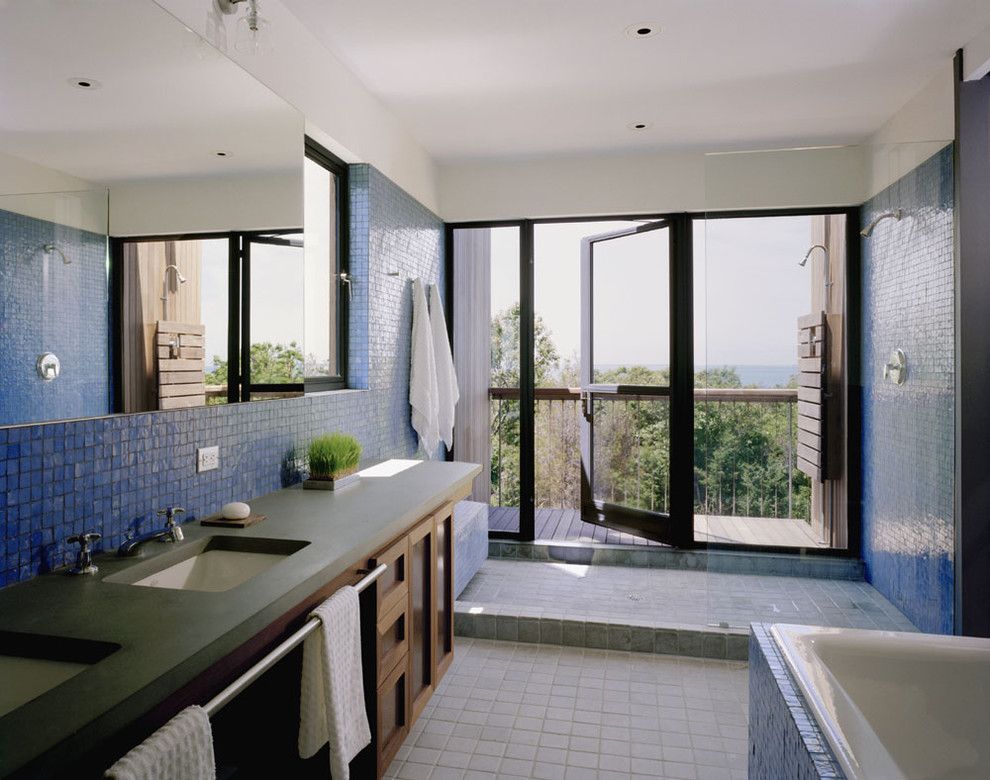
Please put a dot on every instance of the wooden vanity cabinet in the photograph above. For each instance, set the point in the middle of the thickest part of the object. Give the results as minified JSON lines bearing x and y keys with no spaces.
{"x":414,"y":628}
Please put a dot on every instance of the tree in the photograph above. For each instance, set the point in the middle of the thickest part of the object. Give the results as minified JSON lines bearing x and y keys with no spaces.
{"x":271,"y":364}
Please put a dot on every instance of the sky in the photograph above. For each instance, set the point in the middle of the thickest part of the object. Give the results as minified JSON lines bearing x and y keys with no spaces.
{"x":749,"y":289}
{"x":277,"y":313}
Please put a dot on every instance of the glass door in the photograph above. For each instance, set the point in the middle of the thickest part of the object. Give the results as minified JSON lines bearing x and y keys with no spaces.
{"x":633,"y":379}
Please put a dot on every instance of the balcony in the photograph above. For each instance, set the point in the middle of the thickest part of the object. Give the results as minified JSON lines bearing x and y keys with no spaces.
{"x":746,"y":485}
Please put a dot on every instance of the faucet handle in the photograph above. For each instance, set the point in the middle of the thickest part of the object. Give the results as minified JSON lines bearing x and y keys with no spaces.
{"x":84,"y":539}
{"x":170,"y":512}
{"x":84,"y":558}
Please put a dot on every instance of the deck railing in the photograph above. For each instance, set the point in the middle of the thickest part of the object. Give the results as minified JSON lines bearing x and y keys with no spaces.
{"x":745,"y":442}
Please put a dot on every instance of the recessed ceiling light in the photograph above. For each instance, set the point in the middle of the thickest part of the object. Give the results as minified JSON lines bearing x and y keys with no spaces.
{"x":638,"y":127}
{"x":85,"y":83}
{"x":643,"y":30}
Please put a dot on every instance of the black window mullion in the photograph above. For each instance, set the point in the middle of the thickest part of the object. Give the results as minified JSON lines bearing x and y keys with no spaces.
{"x":527,"y":384}
{"x":233,"y":319}
{"x":245,"y":317}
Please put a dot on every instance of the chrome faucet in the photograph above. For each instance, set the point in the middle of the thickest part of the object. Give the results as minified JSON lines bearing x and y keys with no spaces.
{"x":172,"y":532}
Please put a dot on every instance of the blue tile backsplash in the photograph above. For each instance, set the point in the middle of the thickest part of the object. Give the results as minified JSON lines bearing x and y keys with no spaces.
{"x":111,"y":474}
{"x":47,"y":305}
{"x":908,"y":430}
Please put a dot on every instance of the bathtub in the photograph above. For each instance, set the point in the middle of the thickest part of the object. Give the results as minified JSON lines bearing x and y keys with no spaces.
{"x":895,"y":705}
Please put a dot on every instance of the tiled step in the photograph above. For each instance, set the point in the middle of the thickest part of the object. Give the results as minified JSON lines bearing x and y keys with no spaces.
{"x":486,"y":622}
{"x":590,"y":553}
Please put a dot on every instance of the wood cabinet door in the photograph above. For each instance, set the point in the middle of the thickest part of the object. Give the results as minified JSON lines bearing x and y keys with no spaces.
{"x":422,"y":614}
{"x":393,"y":719}
{"x":443,"y":533}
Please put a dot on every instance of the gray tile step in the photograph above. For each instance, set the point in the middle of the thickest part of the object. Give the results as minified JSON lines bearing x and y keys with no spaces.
{"x":729,"y":562}
{"x":731,"y":644}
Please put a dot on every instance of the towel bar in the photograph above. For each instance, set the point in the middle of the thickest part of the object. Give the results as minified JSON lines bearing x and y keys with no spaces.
{"x":223,"y":698}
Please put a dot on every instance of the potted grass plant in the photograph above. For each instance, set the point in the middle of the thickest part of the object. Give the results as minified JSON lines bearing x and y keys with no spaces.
{"x":332,"y":460}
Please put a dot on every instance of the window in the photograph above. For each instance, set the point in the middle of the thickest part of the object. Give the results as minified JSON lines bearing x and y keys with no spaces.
{"x":328,"y":288}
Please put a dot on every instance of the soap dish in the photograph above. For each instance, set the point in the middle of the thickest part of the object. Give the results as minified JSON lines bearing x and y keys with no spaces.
{"x":220,"y":522}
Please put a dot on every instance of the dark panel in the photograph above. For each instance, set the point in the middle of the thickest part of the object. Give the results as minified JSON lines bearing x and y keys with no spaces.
{"x":973,"y":357}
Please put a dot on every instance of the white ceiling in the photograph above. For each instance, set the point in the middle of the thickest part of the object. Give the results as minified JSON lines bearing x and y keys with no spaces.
{"x":167,"y":103}
{"x":488,"y":79}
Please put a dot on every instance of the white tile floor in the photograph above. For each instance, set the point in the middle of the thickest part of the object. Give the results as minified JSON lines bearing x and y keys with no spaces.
{"x":675,"y":596}
{"x":508,"y":710}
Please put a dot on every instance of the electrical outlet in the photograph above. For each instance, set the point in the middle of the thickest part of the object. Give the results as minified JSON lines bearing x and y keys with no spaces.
{"x":207,"y":458}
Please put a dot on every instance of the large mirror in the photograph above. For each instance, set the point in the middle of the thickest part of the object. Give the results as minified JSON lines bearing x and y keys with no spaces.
{"x":152,"y":252}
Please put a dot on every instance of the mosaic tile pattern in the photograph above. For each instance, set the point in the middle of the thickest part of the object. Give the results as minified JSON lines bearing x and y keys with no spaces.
{"x":908,"y":430}
{"x":554,"y":713}
{"x":672,"y":597}
{"x":50,"y":306}
{"x":470,"y":541}
{"x":785,"y":742}
{"x":111,"y":474}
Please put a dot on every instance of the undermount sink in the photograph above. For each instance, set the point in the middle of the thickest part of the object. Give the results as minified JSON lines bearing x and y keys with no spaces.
{"x":214,"y":564}
{"x":31,"y":664}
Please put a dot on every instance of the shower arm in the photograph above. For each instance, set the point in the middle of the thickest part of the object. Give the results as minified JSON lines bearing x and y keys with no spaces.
{"x":897,"y":215}
{"x":828,"y":270}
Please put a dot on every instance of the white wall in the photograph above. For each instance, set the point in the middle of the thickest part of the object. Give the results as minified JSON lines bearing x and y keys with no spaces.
{"x":249,"y":202}
{"x":44,"y":193}
{"x":686,"y":181}
{"x":341,"y":113}
{"x":920,"y":128}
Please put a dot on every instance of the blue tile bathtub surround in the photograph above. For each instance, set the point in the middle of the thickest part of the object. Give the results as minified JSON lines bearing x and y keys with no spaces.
{"x":785,"y":742}
{"x":908,"y":430}
{"x":49,"y":306}
{"x":111,"y":474}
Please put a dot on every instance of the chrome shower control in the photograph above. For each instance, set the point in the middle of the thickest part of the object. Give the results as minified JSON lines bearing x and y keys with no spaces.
{"x":48,"y":366}
{"x":895,"y":370}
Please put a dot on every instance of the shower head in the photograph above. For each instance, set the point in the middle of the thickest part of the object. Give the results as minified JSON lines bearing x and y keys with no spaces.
{"x":896,"y":214}
{"x":50,"y":249}
{"x":808,"y":253}
{"x":178,"y":273}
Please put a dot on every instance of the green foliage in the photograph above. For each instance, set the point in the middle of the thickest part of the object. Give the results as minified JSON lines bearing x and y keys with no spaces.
{"x":332,"y":454}
{"x":271,"y":364}
{"x":741,"y":454}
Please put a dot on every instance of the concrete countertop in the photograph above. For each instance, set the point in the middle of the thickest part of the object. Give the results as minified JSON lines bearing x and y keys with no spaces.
{"x":168,"y":637}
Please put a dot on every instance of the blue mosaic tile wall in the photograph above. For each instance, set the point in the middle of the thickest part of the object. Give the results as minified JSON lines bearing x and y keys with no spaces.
{"x":785,"y":742}
{"x":908,"y":430}
{"x":111,"y":474}
{"x":50,"y":306}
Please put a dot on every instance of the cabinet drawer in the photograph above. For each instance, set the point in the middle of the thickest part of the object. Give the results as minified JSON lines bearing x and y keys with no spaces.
{"x":392,"y":640}
{"x":393,"y":715}
{"x":393,"y":585}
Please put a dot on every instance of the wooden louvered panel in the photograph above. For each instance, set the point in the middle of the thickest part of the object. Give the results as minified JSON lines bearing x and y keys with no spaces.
{"x":811,"y":395}
{"x":181,"y":366}
{"x":812,"y":361}
{"x":809,"y":439}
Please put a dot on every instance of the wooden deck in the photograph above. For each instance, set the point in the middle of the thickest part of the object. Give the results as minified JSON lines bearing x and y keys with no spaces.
{"x":566,"y":525}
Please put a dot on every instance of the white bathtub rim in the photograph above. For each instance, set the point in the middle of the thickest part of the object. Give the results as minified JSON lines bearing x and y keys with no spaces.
{"x":784,"y":635}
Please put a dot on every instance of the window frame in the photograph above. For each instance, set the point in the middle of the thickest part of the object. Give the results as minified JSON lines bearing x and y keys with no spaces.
{"x":329,"y":161}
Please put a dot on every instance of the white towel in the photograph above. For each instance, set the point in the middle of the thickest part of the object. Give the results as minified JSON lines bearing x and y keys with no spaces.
{"x":423,"y":394}
{"x":183,"y":747}
{"x":447,"y":391}
{"x":331,"y":702}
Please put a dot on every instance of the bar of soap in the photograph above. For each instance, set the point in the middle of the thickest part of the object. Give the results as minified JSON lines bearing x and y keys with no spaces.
{"x":235,"y":510}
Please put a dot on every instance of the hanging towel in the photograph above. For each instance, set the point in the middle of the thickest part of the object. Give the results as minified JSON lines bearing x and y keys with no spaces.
{"x":331,"y":702}
{"x":183,"y":747}
{"x":447,"y":392}
{"x":423,"y":395}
